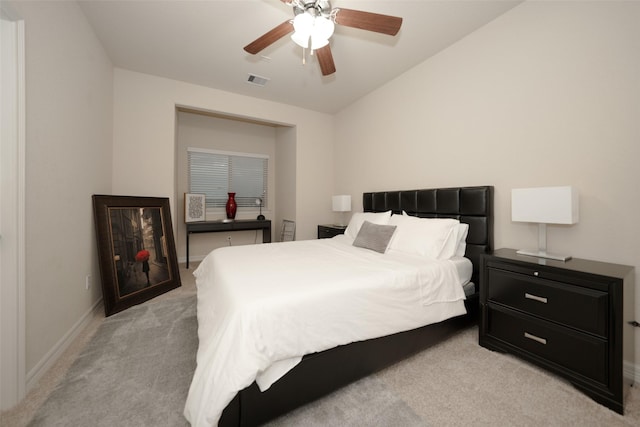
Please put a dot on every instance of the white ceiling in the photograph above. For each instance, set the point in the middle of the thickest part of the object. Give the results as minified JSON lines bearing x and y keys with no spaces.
{"x":201,"y":42}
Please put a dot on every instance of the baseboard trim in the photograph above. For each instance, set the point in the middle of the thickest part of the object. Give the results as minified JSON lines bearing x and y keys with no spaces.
{"x":52,"y":356}
{"x":192,"y":259}
{"x":629,"y":370}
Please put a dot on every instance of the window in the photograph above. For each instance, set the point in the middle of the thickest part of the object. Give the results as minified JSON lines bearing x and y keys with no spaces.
{"x":216,"y":173}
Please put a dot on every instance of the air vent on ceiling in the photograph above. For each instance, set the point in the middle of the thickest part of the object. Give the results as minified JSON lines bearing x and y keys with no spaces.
{"x":257,"y":80}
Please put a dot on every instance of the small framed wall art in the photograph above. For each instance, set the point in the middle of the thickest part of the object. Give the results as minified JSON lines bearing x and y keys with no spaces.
{"x":194,"y":207}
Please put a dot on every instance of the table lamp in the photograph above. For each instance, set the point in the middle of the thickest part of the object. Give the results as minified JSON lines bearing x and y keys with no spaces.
{"x":259,"y":203}
{"x":544,"y":205}
{"x":342,"y":204}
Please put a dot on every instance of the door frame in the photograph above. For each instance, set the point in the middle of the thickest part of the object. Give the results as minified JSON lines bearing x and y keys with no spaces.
{"x":12,"y":210}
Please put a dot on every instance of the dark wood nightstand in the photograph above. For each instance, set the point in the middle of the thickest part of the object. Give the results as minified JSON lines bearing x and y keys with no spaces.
{"x":571,"y":318}
{"x":328,"y":231}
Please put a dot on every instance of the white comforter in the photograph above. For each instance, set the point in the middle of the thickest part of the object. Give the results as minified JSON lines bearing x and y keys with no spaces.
{"x":262,"y":307}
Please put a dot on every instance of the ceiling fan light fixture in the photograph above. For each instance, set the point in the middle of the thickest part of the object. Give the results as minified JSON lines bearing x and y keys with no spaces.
{"x":317,"y":43}
{"x":322,"y":28}
{"x":303,"y":26}
{"x":300,"y":40}
{"x":303,"y":22}
{"x":317,"y":28}
{"x":322,"y":31}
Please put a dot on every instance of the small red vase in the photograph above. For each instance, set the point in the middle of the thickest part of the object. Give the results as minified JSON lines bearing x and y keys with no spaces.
{"x":231,"y":206}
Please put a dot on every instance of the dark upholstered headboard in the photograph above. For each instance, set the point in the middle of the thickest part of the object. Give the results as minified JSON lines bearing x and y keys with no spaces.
{"x":471,"y":205}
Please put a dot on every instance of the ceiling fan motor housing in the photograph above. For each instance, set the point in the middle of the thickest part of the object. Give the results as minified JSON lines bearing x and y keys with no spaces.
{"x":314,"y":7}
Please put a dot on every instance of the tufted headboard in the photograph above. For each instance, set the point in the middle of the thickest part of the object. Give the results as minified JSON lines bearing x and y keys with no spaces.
{"x":471,"y":205}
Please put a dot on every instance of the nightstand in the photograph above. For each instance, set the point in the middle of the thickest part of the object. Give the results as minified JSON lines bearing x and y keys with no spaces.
{"x":329,"y":230}
{"x":571,"y":318}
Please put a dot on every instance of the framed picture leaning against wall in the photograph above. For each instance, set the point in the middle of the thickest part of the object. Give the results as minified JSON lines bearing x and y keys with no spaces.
{"x":136,"y":249}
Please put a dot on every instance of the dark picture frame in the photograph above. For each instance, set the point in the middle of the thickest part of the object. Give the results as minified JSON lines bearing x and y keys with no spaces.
{"x":136,"y":249}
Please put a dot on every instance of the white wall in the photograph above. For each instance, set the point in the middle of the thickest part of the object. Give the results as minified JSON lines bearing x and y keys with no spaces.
{"x":547,"y":94}
{"x":144,"y":153}
{"x":286,"y":181}
{"x":88,"y":134}
{"x":217,"y":133}
{"x":69,"y":103}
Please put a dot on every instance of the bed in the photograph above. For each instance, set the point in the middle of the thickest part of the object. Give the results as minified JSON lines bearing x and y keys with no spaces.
{"x":277,"y":336}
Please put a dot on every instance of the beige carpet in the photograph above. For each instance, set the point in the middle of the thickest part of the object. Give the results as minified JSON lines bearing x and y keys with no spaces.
{"x":461,"y":383}
{"x":455,"y":383}
{"x":21,"y":414}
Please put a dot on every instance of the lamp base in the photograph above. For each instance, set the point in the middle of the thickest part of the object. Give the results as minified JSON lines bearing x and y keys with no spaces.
{"x":260,"y":217}
{"x":543,"y":254}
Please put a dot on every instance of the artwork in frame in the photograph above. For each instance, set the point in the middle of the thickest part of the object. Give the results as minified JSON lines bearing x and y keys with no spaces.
{"x":195,"y":208}
{"x":136,"y":249}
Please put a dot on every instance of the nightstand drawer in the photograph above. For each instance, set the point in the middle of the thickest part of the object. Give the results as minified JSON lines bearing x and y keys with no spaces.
{"x":581,"y":353}
{"x":578,"y":307}
{"x":329,"y":231}
{"x":325,"y":233}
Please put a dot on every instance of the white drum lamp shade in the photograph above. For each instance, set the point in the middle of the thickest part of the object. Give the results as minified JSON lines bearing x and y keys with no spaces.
{"x":341,"y":203}
{"x":545,"y":205}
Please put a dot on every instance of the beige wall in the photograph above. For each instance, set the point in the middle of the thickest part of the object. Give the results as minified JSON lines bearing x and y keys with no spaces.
{"x":548,"y":94}
{"x":216,"y":133}
{"x":69,"y":105}
{"x":286,"y":181}
{"x":144,"y":147}
{"x":93,"y":129}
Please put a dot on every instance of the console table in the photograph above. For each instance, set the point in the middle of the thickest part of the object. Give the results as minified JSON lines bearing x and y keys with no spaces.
{"x":235,"y":225}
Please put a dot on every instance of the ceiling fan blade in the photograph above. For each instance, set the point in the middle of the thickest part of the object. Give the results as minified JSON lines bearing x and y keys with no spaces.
{"x":269,"y":38}
{"x":325,"y":58}
{"x":385,"y":24}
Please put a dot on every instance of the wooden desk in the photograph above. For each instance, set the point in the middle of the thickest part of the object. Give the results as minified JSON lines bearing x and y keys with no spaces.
{"x":236,"y":225}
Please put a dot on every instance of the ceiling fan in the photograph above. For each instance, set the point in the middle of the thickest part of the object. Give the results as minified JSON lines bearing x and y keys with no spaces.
{"x":314,"y":23}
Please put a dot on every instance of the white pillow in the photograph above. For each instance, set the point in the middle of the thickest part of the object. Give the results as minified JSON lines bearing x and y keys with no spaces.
{"x":456,"y":244}
{"x":463,"y":232}
{"x":434,"y":238}
{"x":359,"y":217}
{"x":460,"y":241}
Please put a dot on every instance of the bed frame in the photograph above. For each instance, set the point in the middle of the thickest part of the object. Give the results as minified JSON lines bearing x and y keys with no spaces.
{"x":321,"y":373}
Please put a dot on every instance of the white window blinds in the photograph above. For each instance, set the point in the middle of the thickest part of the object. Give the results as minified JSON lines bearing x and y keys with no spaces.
{"x":216,"y":173}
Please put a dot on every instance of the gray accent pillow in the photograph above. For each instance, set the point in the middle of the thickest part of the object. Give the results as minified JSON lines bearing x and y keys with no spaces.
{"x":374,"y":236}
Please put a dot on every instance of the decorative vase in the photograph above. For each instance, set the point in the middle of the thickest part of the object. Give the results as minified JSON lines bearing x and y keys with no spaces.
{"x":231,"y":206}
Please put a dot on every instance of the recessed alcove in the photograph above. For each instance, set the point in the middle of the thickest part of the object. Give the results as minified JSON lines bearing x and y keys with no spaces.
{"x":218,"y":131}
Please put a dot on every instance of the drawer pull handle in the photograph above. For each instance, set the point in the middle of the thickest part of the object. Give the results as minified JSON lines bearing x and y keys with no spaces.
{"x":535,"y":338}
{"x":535,"y":298}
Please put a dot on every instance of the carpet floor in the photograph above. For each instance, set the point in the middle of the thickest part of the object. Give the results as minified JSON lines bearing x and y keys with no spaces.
{"x":136,"y":371}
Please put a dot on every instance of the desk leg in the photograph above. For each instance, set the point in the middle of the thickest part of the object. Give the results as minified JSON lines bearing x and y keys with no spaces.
{"x":266,"y":235}
{"x":187,"y":250}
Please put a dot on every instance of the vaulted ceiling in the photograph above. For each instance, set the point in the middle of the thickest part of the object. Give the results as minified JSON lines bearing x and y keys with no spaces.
{"x":202,"y":42}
